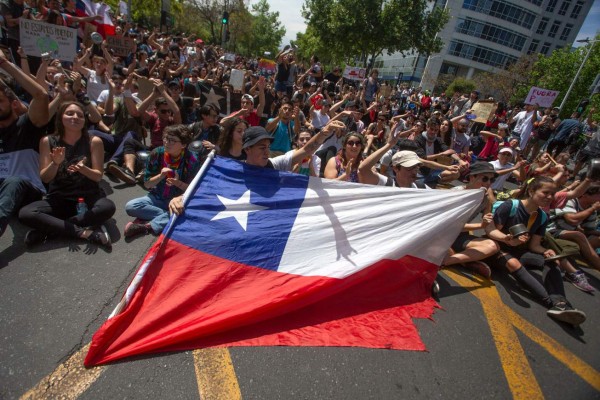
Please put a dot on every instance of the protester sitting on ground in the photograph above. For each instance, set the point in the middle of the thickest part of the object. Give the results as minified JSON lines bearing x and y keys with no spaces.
{"x":446,"y":131}
{"x":433,"y":147}
{"x":577,"y":222}
{"x":166,"y":113}
{"x":169,"y":171}
{"x":461,"y":141}
{"x":20,"y":132}
{"x":230,"y":142}
{"x":206,"y":130}
{"x":309,"y":166}
{"x":256,"y":146}
{"x":504,"y":167}
{"x":97,"y":80}
{"x":71,"y":163}
{"x":518,"y":252}
{"x":494,"y":141}
{"x":344,"y":166}
{"x":376,"y":134}
{"x":248,"y":112}
{"x":468,"y":249}
{"x":319,"y":118}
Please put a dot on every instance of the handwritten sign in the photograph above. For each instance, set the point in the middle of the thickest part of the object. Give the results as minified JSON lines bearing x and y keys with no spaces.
{"x":237,"y":79}
{"x":484,"y":109}
{"x":541,"y":97}
{"x":122,"y":46}
{"x":40,"y":37}
{"x":354,"y":73}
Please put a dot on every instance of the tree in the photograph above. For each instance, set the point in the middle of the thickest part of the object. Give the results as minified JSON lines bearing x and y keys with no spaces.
{"x":460,"y":85}
{"x":266,"y":31}
{"x":506,"y":85}
{"x":365,"y":28}
{"x":556,"y":72}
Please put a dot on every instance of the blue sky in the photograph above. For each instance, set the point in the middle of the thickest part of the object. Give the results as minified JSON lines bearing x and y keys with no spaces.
{"x":290,"y":17}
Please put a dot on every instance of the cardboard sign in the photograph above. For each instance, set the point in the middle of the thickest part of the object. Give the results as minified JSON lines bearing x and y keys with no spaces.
{"x":122,"y":46}
{"x":484,"y":109}
{"x":145,"y":88}
{"x":40,"y":37}
{"x":354,"y":73}
{"x":267,"y":67}
{"x":236,"y":79}
{"x":541,"y":97}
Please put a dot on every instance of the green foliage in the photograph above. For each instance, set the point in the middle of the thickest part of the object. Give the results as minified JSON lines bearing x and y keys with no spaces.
{"x":460,"y":85}
{"x":349,"y":28}
{"x":556,"y":72}
{"x":267,"y":31}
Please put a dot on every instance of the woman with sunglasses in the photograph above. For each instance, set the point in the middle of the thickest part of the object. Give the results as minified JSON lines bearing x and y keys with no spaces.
{"x":518,"y":251}
{"x":169,"y":170}
{"x":72,"y":164}
{"x":344,"y":166}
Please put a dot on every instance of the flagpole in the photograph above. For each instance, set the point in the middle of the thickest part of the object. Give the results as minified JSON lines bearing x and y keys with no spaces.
{"x":137,"y":279}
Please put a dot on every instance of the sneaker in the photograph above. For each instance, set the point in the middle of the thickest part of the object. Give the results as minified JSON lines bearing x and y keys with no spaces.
{"x":435,"y":289}
{"x":34,"y":237}
{"x":579,"y":280}
{"x":562,"y":311}
{"x":480,"y":268}
{"x":133,"y":229}
{"x":123,"y":174}
{"x":100,"y":237}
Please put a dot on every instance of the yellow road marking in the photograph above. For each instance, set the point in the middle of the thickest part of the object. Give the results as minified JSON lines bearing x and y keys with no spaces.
{"x":215,"y":375}
{"x":68,"y":381}
{"x":574,"y":363}
{"x":520,"y":377}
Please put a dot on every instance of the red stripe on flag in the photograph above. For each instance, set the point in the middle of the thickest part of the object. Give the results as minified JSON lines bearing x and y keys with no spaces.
{"x":190,"y":300}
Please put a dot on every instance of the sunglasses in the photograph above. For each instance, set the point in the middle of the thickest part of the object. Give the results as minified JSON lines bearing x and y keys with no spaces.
{"x":353,"y":143}
{"x":486,"y":179}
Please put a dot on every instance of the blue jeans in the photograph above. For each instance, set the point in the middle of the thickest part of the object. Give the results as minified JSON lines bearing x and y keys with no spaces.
{"x":113,"y":145}
{"x":14,"y":193}
{"x":150,"y":208}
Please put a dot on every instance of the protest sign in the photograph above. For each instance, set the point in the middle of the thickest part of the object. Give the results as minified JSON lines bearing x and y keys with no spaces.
{"x":541,"y":97}
{"x":122,"y":46}
{"x":354,"y":73}
{"x":145,"y":88}
{"x":266,"y":67}
{"x":484,"y":109}
{"x":40,"y":37}
{"x":229,"y":57}
{"x":236,"y":79}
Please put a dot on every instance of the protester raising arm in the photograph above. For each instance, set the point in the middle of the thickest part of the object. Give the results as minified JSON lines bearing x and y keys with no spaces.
{"x":366,"y":170}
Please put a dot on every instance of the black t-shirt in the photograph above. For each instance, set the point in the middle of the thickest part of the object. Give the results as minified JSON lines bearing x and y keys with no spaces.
{"x":21,"y":135}
{"x":502,"y":217}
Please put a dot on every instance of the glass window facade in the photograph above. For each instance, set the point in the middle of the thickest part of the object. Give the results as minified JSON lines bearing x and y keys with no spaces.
{"x":503,"y":10}
{"x":566,"y":32}
{"x":576,"y":9}
{"x":554,"y":29}
{"x":545,"y":48}
{"x":533,"y":46}
{"x":480,"y":54}
{"x":564,"y":7}
{"x":542,"y":26}
{"x":551,"y":5}
{"x":491,"y":32}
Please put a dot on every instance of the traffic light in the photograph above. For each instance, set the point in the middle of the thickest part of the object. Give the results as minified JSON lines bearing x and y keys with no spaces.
{"x":582,"y":105}
{"x":225,"y":19}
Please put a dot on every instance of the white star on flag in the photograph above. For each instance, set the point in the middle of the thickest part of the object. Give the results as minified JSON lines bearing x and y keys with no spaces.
{"x":238,"y":209}
{"x":213,"y":98}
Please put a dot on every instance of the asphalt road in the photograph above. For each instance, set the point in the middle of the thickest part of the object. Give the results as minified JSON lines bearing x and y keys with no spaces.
{"x":489,"y":340}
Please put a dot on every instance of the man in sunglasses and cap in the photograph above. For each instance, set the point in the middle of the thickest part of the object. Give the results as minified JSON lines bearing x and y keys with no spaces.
{"x":469,"y":249}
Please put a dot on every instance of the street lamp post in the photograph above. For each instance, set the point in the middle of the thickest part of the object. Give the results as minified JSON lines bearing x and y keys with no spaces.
{"x":593,"y":42}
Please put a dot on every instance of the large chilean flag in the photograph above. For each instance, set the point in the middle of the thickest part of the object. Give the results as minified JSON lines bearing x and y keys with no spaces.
{"x":263,"y":257}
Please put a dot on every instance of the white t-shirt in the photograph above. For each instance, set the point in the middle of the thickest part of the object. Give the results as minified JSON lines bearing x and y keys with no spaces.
{"x":318,"y":119}
{"x":499,"y":184}
{"x":95,"y":86}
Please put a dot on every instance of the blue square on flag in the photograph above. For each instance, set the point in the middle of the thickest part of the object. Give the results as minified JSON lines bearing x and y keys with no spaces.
{"x":237,"y":214}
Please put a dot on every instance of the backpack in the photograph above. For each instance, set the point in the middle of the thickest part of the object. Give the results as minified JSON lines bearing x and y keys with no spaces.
{"x":513,"y":209}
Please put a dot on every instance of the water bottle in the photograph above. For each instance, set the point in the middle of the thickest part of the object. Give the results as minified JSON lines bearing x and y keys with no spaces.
{"x":81,"y":206}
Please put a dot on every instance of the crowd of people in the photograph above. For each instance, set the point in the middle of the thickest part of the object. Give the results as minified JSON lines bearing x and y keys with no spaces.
{"x":63,"y":124}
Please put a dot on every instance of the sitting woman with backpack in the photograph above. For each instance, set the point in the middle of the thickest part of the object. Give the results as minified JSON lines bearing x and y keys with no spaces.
{"x":524,"y":249}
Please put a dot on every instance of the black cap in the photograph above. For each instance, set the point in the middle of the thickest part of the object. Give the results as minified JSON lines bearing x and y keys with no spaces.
{"x":255,"y":134}
{"x":174,"y":82}
{"x":482,"y":167}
